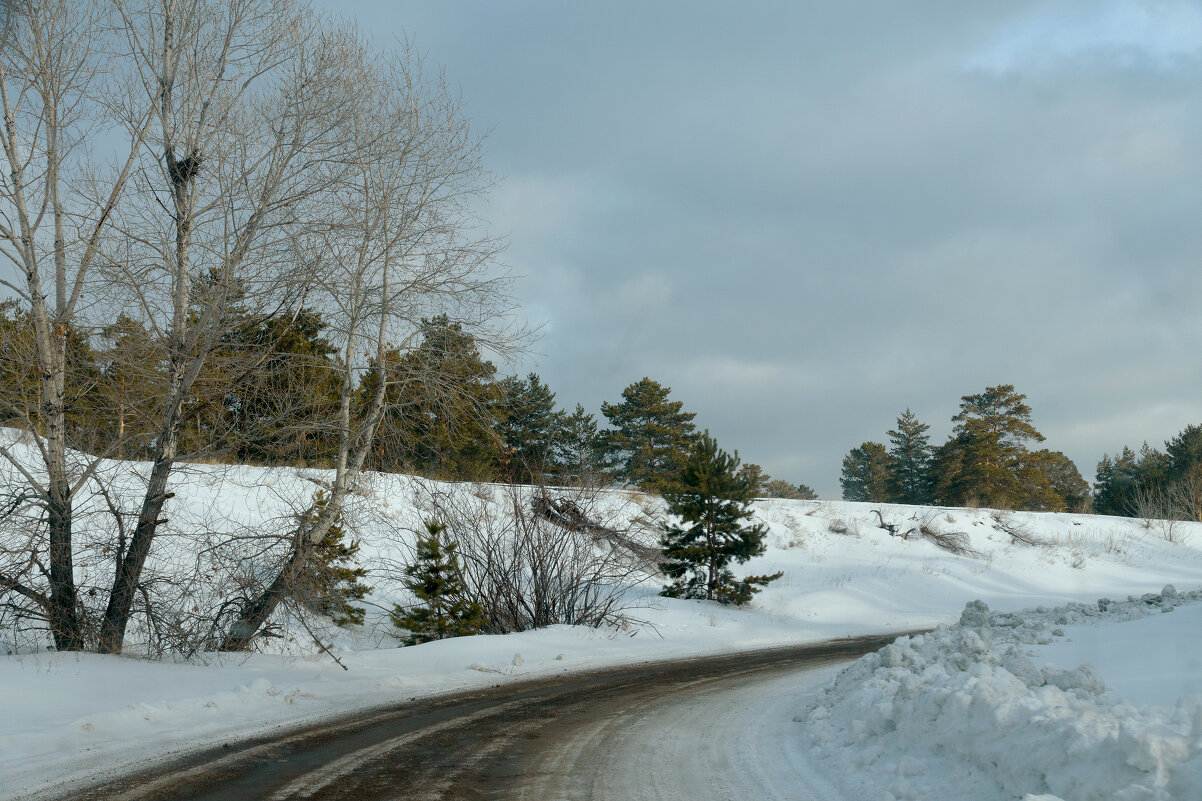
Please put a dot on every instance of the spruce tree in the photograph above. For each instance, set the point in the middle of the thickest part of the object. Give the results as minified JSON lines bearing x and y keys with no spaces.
{"x":910,"y":452}
{"x":867,"y":473}
{"x":444,"y":609}
{"x":651,"y":435}
{"x":711,"y":500}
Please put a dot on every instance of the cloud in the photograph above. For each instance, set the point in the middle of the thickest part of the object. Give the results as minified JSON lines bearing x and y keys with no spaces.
{"x":804,"y":218}
{"x":1125,"y":33}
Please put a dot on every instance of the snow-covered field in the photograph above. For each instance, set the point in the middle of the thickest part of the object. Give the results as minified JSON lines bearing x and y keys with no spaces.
{"x":1082,"y":702}
{"x":70,"y":714}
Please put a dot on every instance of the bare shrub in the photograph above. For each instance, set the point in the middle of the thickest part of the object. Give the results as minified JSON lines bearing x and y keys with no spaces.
{"x":954,"y":542}
{"x":1165,"y":507}
{"x":892,"y":528}
{"x":533,"y":557}
{"x":1019,"y":532}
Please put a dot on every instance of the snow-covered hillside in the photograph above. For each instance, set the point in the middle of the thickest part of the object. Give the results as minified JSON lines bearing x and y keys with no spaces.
{"x":848,"y":569}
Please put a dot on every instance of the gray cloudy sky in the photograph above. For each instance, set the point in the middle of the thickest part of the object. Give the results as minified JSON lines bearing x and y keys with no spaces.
{"x":806,"y":216}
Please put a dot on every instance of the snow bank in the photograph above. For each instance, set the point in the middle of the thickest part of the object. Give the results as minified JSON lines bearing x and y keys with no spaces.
{"x":964,"y":711}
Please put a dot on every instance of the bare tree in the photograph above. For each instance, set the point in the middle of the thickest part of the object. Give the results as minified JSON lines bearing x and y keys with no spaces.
{"x":269,"y":162}
{"x":403,"y":245}
{"x":53,"y":69}
{"x":248,"y":98}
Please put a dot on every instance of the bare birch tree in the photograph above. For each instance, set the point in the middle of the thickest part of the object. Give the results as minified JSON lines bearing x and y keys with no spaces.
{"x":53,"y":69}
{"x":267,"y":162}
{"x":405,"y":245}
{"x":248,"y":100}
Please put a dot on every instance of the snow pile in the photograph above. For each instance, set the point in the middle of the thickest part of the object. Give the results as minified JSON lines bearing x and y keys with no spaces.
{"x":963,"y":711}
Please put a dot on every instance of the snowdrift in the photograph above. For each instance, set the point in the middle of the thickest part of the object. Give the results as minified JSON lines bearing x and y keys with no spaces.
{"x":965,"y":712}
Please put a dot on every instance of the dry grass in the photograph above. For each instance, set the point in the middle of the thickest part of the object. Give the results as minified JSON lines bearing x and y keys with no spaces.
{"x":1080,"y":546}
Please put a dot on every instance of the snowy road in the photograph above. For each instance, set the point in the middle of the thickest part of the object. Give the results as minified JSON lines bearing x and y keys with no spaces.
{"x":704,"y":729}
{"x":731,"y":738}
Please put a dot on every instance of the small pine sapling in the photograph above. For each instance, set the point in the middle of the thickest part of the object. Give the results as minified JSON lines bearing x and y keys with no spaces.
{"x":444,"y":610}
{"x":332,"y":576}
{"x":712,"y":500}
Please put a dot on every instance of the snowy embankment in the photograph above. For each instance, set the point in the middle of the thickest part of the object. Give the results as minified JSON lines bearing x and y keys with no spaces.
{"x":848,"y":569}
{"x":1001,"y":706}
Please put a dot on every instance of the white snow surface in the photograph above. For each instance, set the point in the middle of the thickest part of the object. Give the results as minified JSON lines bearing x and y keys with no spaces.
{"x":998,"y":707}
{"x":1121,"y":653}
{"x":69,"y":715}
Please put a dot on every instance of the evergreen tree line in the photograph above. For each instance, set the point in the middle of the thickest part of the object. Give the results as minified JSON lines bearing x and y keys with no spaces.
{"x":987,"y":461}
{"x":268,"y":395}
{"x":1153,"y":483}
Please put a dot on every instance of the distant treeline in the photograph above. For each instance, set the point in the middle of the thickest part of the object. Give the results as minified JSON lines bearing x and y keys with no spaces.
{"x":270,"y":395}
{"x":987,"y":461}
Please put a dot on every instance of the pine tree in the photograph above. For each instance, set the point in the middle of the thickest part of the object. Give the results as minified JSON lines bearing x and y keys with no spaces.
{"x":756,"y":478}
{"x":765,"y":486}
{"x":652,"y":436}
{"x":442,"y":401}
{"x":283,"y":391}
{"x":711,"y":500}
{"x":1155,"y":468}
{"x":867,"y":472}
{"x":21,"y":403}
{"x":910,"y":452}
{"x":1116,"y":484}
{"x":131,"y":365}
{"x":580,"y":456}
{"x":981,"y":463}
{"x":779,"y":488}
{"x":529,"y":426}
{"x":1185,"y":455}
{"x":1052,"y":482}
{"x":444,"y":609}
{"x":331,"y":577}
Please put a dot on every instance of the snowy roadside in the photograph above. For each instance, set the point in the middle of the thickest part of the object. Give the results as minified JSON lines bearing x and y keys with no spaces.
{"x":849,"y":569}
{"x":965,"y":712}
{"x":73,"y":716}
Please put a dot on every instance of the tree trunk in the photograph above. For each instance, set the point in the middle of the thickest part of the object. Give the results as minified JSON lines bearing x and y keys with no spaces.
{"x":247,"y":626}
{"x":63,"y":607}
{"x":129,"y":571}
